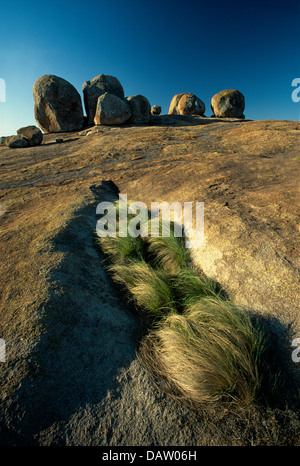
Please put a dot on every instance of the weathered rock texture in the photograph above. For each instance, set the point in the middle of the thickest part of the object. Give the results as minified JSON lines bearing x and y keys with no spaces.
{"x":186,"y":104}
{"x":111,"y":110}
{"x":141,"y":109}
{"x":97,"y":86}
{"x":71,"y":376}
{"x":57,"y":105}
{"x":33,"y":135}
{"x":228,"y":103}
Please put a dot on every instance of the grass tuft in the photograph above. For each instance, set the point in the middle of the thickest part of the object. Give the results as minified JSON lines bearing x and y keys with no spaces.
{"x":149,"y":289}
{"x":202,"y":347}
{"x":189,"y":287}
{"x":209,"y":354}
{"x":167,"y":252}
{"x":120,"y":250}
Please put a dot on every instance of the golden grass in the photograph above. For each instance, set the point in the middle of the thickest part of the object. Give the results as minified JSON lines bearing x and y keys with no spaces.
{"x":167,"y":252}
{"x":202,"y":346}
{"x":210,"y":353}
{"x":147,"y":288}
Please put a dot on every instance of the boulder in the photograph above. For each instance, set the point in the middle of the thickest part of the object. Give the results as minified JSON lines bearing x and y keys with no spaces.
{"x":189,"y":104}
{"x":16,"y":141}
{"x":96,"y":87}
{"x":156,"y":110}
{"x":32,"y":134}
{"x":58,"y":106}
{"x":111,"y":110}
{"x":141,"y":109}
{"x":3,"y":140}
{"x":173,"y":110}
{"x":186,"y":104}
{"x":228,"y":103}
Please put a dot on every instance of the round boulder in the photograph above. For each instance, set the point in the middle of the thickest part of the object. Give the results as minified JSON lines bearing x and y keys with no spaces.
{"x":141,"y":109}
{"x":186,"y":104}
{"x":33,"y":135}
{"x":96,"y":87}
{"x":229,"y":103}
{"x":156,"y":110}
{"x":111,"y":110}
{"x":58,"y":106}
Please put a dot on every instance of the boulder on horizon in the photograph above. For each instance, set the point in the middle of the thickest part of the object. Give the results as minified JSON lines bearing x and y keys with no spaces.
{"x":229,"y":103}
{"x":141,"y":109}
{"x":111,"y":110}
{"x":156,"y":110}
{"x":186,"y":104}
{"x":96,"y":87}
{"x":58,"y":106}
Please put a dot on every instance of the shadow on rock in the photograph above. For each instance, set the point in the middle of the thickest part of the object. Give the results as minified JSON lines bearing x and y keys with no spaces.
{"x":88,"y":336}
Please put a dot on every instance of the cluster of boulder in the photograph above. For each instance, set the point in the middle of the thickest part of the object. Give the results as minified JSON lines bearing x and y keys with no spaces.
{"x":58,"y":107}
{"x":26,"y":136}
{"x":229,"y":103}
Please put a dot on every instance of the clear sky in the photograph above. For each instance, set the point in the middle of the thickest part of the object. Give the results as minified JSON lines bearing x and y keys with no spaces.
{"x":155,"y":48}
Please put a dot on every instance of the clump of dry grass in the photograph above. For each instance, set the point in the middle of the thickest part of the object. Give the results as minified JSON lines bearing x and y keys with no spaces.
{"x":189,"y":286}
{"x":149,"y":289}
{"x":167,"y":252}
{"x":202,"y":346}
{"x":121,"y":249}
{"x":210,"y":353}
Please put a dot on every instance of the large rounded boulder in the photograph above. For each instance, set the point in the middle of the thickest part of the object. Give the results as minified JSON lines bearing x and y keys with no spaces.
{"x":186,"y":104}
{"x":140,"y":108}
{"x":57,"y":105}
{"x":96,"y":87}
{"x":229,"y":103}
{"x":111,"y":110}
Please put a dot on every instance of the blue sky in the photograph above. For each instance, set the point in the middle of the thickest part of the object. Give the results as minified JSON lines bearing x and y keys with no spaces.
{"x":155,"y":48}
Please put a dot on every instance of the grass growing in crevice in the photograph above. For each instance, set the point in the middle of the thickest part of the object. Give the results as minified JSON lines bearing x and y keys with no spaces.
{"x":167,"y":252}
{"x":200,"y":346}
